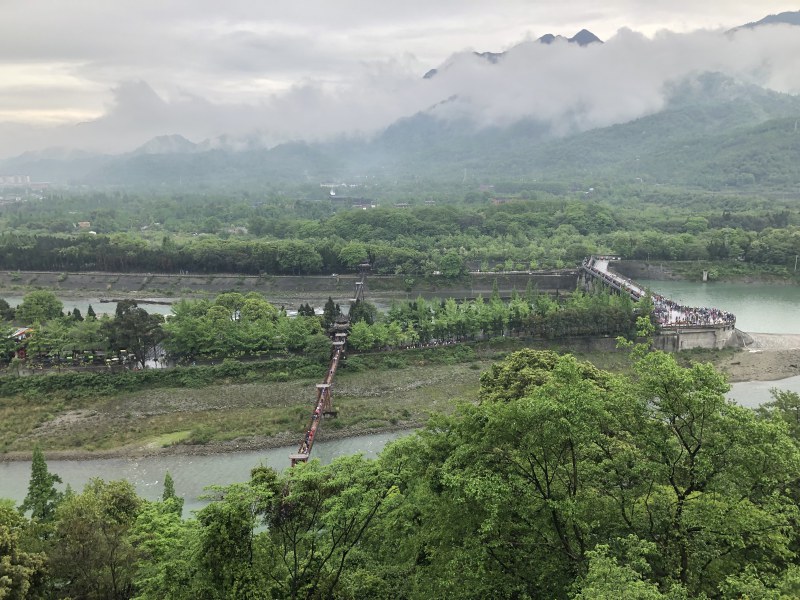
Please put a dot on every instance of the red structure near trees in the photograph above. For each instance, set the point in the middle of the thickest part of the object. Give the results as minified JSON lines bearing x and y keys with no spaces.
{"x":323,"y":407}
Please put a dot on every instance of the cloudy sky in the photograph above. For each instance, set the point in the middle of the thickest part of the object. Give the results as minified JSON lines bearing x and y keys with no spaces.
{"x":109,"y":75}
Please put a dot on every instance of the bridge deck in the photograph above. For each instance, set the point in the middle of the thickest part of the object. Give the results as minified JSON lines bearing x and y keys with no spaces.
{"x":324,"y":404}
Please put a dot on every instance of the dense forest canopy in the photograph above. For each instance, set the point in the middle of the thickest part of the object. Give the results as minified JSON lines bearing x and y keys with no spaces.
{"x":511,"y":227}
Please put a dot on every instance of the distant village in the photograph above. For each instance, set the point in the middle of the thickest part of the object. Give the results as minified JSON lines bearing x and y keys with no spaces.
{"x":17,"y":188}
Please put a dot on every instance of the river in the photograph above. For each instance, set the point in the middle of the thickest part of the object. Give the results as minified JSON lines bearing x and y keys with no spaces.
{"x":759,"y":307}
{"x":101,"y":308}
{"x":192,"y":474}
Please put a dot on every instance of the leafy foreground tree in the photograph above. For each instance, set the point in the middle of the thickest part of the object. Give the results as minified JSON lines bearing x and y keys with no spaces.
{"x":562,"y":470}
{"x":43,"y":497}
{"x":565,"y":481}
{"x":22,"y":572}
{"x":290,"y":535}
{"x":91,"y":556}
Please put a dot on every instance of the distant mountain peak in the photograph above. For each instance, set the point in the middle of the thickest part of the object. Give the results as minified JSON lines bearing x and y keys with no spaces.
{"x":492,"y":57}
{"x":784,"y":18}
{"x":583,"y":38}
{"x":167,"y":144}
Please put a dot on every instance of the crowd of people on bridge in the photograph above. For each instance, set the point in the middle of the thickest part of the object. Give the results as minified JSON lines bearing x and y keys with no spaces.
{"x":669,"y":312}
{"x":665,"y":311}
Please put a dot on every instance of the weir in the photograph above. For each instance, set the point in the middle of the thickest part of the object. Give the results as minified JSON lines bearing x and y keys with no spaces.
{"x":680,"y":327}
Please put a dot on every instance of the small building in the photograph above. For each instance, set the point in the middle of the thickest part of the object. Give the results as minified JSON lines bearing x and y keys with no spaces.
{"x":21,"y":334}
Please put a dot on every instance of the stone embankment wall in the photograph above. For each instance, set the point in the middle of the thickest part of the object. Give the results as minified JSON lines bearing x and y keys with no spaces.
{"x":639,"y":269}
{"x":686,"y":338}
{"x":187,"y":285}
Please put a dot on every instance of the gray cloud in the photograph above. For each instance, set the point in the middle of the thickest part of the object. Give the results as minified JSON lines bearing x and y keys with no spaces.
{"x":318,"y":68}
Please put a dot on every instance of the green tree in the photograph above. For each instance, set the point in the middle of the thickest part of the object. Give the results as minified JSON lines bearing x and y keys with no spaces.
{"x":169,"y":496}
{"x":6,"y":311}
{"x":560,"y":458}
{"x":353,"y":254}
{"x":92,"y":556}
{"x":38,"y":307}
{"x":318,"y":348}
{"x":361,"y":310}
{"x":315,"y":527}
{"x":329,"y":313}
{"x":607,"y":579}
{"x":43,"y":498}
{"x":135,"y":330}
{"x":258,"y":225}
{"x":22,"y":572}
{"x":298,"y":258}
{"x":228,"y":550}
{"x":361,"y":337}
{"x":785,"y":406}
{"x":167,"y":550}
{"x":451,"y":265}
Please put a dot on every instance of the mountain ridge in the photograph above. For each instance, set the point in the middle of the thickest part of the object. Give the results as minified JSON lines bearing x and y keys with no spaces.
{"x":699,"y":115}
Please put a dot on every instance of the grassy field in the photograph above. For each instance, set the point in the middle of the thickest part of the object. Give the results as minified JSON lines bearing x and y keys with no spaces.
{"x":373,"y":393}
{"x":367,"y":400}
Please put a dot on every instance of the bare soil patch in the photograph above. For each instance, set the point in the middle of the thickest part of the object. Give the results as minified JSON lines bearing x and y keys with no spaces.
{"x":766,"y":357}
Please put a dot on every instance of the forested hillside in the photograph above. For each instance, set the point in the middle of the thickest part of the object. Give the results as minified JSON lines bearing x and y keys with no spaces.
{"x":712,"y":133}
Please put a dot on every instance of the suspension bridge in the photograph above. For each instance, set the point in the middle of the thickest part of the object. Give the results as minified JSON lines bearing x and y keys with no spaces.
{"x":323,"y":407}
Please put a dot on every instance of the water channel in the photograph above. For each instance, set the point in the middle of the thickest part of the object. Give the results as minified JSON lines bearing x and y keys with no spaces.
{"x":192,"y":474}
{"x":758,"y":307}
{"x":102,"y":307}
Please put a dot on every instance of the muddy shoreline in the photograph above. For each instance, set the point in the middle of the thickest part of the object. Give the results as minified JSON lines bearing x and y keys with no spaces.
{"x":765,"y":357}
{"x":210,"y":449}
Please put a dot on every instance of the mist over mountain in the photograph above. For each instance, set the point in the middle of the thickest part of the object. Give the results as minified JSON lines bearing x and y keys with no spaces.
{"x":168,"y":144}
{"x":582,"y":38}
{"x":575,"y":106}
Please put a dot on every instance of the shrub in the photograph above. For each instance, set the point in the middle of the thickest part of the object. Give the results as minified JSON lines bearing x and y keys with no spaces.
{"x":202,"y":434}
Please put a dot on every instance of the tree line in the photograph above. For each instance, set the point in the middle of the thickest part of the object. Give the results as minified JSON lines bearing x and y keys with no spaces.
{"x":236,"y":325}
{"x":524,"y":232}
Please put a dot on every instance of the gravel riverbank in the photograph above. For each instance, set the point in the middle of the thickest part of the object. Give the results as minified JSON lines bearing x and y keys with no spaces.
{"x":768,"y":357}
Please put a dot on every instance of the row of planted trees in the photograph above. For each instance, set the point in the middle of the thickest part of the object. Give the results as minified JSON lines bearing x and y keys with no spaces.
{"x":236,"y":325}
{"x":528,"y":315}
{"x":208,"y":329}
{"x":563,"y":481}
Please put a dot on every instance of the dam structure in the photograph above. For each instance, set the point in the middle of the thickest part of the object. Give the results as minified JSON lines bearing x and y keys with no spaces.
{"x":680,"y":327}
